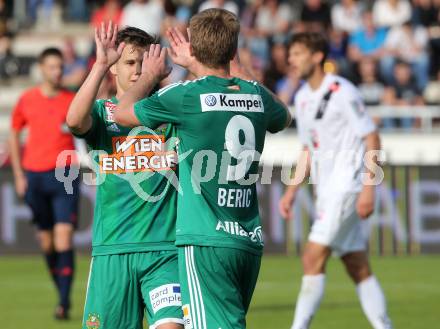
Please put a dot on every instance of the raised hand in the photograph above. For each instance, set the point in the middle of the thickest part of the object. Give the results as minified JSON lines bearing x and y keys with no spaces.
{"x":154,"y":62}
{"x":180,"y":51}
{"x":106,"y":52}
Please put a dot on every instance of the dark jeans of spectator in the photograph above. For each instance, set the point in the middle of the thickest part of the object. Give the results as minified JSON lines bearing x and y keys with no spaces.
{"x":435,"y":56}
{"x":33,"y":6}
{"x":419,"y":68}
{"x":392,"y":123}
{"x":345,"y":68}
{"x":77,"y":10}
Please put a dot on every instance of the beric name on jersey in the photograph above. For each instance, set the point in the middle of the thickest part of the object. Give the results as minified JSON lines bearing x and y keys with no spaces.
{"x":234,"y":198}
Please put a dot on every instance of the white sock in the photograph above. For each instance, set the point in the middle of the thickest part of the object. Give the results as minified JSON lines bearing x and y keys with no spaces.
{"x":373,"y":303}
{"x":312,"y":290}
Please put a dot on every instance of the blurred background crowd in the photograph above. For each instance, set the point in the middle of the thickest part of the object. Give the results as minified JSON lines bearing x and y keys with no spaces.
{"x":389,"y":48}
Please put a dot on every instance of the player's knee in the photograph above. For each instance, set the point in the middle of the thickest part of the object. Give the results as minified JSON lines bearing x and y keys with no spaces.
{"x":313,"y":264}
{"x":63,"y":237}
{"x":360,"y":273}
{"x":46,"y":241}
{"x":357,"y":269}
{"x":62,"y":244}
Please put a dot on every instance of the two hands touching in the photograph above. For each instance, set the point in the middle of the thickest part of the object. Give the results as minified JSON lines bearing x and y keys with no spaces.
{"x":154,"y":59}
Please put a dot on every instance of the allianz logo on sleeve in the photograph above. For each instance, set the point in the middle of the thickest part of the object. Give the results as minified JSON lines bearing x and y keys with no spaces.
{"x":231,"y":102}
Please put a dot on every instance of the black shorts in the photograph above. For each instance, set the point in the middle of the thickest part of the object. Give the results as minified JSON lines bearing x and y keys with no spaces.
{"x":49,"y":201}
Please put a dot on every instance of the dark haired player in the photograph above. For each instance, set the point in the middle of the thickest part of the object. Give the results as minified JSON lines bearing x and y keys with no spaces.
{"x":134,"y":265}
{"x":336,"y":133}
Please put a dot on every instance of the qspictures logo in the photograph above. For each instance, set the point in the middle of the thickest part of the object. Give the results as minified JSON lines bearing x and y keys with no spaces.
{"x":138,"y":154}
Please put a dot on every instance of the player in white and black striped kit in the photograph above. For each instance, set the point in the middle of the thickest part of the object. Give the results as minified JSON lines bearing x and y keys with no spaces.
{"x":336,"y":133}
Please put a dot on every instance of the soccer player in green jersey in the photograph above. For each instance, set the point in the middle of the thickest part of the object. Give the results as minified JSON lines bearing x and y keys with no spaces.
{"x":221,"y":123}
{"x":134,"y":265}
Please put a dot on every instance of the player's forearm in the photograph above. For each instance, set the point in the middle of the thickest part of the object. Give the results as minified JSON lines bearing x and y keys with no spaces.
{"x":78,"y":117}
{"x":372,"y":149}
{"x":302,"y":171}
{"x":14,"y":147}
{"x":142,"y":87}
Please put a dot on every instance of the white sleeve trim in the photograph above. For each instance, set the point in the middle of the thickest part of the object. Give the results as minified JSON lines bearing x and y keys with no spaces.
{"x":166,"y":320}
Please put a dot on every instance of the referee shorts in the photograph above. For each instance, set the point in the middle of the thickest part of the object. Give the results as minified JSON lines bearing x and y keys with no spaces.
{"x":49,"y":201}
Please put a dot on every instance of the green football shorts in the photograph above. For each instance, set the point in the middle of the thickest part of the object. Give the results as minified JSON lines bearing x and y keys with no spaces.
{"x":217,"y":286}
{"x":122,"y":286}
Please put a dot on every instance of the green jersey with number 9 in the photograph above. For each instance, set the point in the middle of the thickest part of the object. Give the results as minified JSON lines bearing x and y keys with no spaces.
{"x":221,"y":125}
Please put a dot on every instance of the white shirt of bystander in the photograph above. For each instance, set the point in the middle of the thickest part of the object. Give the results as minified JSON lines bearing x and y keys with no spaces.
{"x":335,"y":135}
{"x":146,"y":16}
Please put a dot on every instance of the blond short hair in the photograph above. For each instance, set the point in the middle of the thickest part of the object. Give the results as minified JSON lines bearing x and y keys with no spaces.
{"x":214,"y":37}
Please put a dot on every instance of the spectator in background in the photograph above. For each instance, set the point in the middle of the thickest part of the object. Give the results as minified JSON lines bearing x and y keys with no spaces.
{"x":253,"y":38}
{"x":278,"y":65}
{"x":402,"y":92}
{"x":368,"y":41}
{"x":110,"y":11}
{"x":315,"y":14}
{"x":337,"y":40}
{"x":77,"y":10}
{"x":146,"y":15}
{"x":347,"y":16}
{"x":273,"y":18}
{"x":389,"y":13}
{"x":183,"y":14}
{"x":408,"y":43}
{"x":43,"y":111}
{"x":427,"y":13}
{"x":371,"y":89}
{"x":265,"y":21}
{"x":9,"y":64}
{"x":223,"y":4}
{"x":431,"y":93}
{"x":33,"y":6}
{"x":75,"y":68}
{"x":239,"y":5}
{"x":249,"y":17}
{"x":174,"y":17}
{"x":4,"y":13}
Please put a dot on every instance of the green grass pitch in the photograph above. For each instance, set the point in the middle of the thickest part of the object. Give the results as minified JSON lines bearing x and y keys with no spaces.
{"x":411,"y":284}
